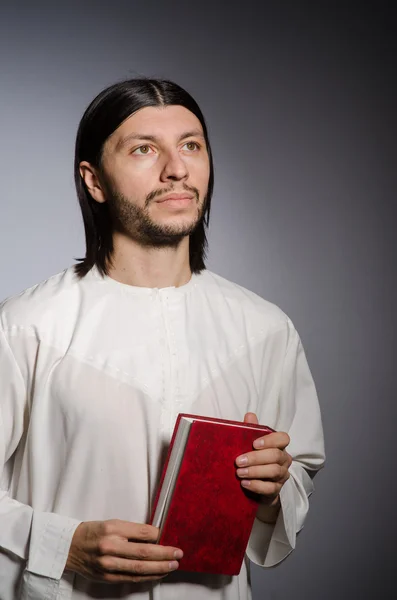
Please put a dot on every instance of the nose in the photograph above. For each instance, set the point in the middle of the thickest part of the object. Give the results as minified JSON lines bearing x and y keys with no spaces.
{"x":175,"y":168}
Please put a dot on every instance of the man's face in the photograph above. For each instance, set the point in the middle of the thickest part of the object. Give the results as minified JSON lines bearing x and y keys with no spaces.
{"x":155,"y":153}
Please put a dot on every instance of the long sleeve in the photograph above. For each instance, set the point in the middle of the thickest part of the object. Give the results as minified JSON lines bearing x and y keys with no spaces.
{"x":33,"y":545}
{"x":299,"y":415}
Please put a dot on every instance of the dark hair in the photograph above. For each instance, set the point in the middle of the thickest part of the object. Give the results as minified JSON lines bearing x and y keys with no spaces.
{"x":102,"y":117}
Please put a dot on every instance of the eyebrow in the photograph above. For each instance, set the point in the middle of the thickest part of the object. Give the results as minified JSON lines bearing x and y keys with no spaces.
{"x":152,"y":138}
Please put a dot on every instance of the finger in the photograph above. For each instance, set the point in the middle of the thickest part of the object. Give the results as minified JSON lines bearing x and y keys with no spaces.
{"x":251,"y":418}
{"x":133,"y":550}
{"x":270,"y":489}
{"x":278,"y":473}
{"x":131,"y":531}
{"x":125,"y":578}
{"x":262,"y":457}
{"x":279,"y":439}
{"x":115,"y":564}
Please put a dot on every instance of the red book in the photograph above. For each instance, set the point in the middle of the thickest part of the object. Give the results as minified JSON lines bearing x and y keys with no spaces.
{"x":200,"y":505}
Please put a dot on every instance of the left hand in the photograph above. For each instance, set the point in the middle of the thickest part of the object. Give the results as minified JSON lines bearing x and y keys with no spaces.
{"x":265,"y":470}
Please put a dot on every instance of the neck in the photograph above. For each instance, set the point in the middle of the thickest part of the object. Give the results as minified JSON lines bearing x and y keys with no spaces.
{"x":139,"y":266}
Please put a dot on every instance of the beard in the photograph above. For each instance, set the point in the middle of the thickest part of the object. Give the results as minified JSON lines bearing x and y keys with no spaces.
{"x":135,"y":221}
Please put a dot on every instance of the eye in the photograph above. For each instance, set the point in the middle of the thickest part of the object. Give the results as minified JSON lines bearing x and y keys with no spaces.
{"x":142,"y":150}
{"x":192,"y":146}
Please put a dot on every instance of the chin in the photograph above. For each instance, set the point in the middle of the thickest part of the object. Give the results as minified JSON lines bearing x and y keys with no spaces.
{"x":178,"y":221}
{"x":178,"y":225}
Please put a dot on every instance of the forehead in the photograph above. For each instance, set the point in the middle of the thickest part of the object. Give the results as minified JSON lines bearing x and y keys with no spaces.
{"x":163,"y":122}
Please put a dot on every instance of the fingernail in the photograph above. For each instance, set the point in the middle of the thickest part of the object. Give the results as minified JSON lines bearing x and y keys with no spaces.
{"x":242,"y":460}
{"x":173,"y":565}
{"x":245,"y":483}
{"x":178,"y":554}
{"x":259,"y":443}
{"x":242,"y":472}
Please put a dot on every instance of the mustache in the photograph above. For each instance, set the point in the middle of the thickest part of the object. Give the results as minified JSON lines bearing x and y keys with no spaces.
{"x":157,"y":193}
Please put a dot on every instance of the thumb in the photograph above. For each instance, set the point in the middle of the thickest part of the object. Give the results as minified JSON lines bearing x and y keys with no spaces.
{"x":251,"y":418}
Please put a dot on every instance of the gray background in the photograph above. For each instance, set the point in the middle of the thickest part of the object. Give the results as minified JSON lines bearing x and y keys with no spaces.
{"x":300,"y":99}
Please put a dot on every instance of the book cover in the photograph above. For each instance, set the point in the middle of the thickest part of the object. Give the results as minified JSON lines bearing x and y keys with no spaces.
{"x":210,"y":516}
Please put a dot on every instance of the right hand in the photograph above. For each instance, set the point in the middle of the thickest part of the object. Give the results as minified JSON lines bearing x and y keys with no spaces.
{"x":117,"y":551}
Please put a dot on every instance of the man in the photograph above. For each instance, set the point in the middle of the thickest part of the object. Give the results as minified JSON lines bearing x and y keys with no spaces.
{"x":97,"y":362}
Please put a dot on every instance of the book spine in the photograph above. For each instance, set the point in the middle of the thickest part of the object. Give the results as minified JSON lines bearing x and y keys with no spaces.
{"x":156,"y":499}
{"x":264,"y":428}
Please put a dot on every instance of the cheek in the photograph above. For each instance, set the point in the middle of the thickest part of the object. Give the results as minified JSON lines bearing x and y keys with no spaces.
{"x":138,"y":174}
{"x":200,"y":172}
{"x":135,"y":177}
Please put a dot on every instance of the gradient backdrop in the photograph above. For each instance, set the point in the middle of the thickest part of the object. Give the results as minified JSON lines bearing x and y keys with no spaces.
{"x":300,"y":100}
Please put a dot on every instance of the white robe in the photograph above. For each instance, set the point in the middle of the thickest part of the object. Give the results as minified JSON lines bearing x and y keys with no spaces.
{"x":93,"y":374}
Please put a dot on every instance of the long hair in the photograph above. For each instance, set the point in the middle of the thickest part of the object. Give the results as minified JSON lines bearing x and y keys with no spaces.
{"x":102,"y":117}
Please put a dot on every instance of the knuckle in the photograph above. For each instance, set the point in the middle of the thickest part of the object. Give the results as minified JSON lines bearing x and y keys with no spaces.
{"x":278,"y":472}
{"x":272,"y":472}
{"x":144,"y":532}
{"x":138,"y":568}
{"x":113,"y":577}
{"x":107,"y":563}
{"x":104,"y":546}
{"x":108,"y":527}
{"x":142,"y":553}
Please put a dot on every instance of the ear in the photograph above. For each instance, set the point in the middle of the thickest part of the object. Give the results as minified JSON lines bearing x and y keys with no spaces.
{"x":90,"y":176}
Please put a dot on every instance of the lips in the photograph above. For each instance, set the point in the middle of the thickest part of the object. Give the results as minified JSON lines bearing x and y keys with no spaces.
{"x":184,"y":196}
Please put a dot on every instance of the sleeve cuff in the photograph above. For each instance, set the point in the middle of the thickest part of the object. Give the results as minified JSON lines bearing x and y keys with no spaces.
{"x":51,"y":536}
{"x":271,"y":544}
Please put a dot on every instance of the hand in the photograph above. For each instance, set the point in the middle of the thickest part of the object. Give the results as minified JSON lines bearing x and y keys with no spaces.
{"x":265,"y":470}
{"x":117,"y":551}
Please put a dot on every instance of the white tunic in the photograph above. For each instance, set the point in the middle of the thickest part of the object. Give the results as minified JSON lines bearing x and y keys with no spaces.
{"x":93,"y":374}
